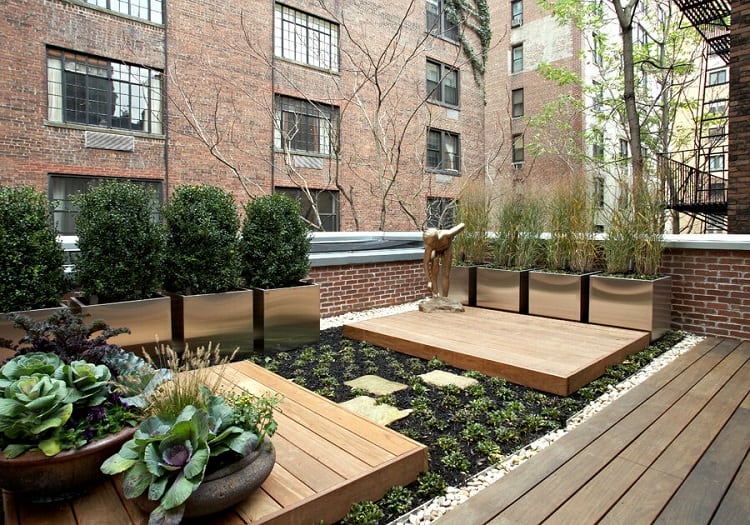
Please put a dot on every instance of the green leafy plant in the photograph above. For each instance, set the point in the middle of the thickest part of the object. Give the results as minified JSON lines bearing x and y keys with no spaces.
{"x":275,"y":242}
{"x":398,"y":500}
{"x":202,"y":246}
{"x":363,"y":513}
{"x":121,"y":243}
{"x":31,"y":259}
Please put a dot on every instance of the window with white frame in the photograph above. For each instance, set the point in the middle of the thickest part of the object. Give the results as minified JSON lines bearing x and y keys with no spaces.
{"x":305,"y":127}
{"x":516,"y":13}
{"x":438,"y":20}
{"x":443,"y":151}
{"x":151,"y":10}
{"x":624,"y":149}
{"x":517,"y":102}
{"x":716,"y":163}
{"x":62,"y":189}
{"x":306,"y":38}
{"x":82,"y":89}
{"x":442,"y":83}
{"x":718,"y":77}
{"x":516,"y":58}
{"x":314,"y":205}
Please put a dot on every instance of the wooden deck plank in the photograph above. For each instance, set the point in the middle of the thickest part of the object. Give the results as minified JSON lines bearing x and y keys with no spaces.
{"x":735,"y":507}
{"x":327,"y":458}
{"x":506,"y":344}
{"x":582,"y":453}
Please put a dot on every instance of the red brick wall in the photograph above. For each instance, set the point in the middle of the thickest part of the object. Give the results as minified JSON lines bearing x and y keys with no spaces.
{"x":710,"y":289}
{"x":738,"y":191}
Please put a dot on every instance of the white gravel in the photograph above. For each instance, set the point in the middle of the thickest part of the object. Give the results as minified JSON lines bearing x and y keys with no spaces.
{"x":430,"y":511}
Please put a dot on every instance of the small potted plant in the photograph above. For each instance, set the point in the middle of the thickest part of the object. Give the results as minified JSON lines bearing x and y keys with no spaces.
{"x":560,"y":290}
{"x":31,"y":259}
{"x":631,"y":293}
{"x":516,"y":248}
{"x":121,"y":261}
{"x":202,"y":266}
{"x":470,"y":249}
{"x":199,"y":452}
{"x":275,"y":259}
{"x":61,"y":411}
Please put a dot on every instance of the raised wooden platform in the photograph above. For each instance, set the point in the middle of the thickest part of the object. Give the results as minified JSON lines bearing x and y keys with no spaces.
{"x":547,"y":354}
{"x":672,"y":450}
{"x":326,"y":459}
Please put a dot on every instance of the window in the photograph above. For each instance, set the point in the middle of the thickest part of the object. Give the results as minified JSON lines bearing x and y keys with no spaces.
{"x":305,"y":127}
{"x":717,"y":192}
{"x":441,"y":212}
{"x":716,"y":163}
{"x":516,"y":13}
{"x":438,"y":21}
{"x":326,"y":202}
{"x":517,"y":102}
{"x":624,"y":149}
{"x":516,"y":58}
{"x":717,"y":107}
{"x":598,"y":96}
{"x":599,"y":192}
{"x":150,"y":10}
{"x":442,"y":83}
{"x":305,"y":38}
{"x":443,"y":153}
{"x":86,"y":90}
{"x":717,"y":77}
{"x":62,"y":188}
{"x":517,"y":157}
{"x":596,"y":50}
{"x":598,"y":144}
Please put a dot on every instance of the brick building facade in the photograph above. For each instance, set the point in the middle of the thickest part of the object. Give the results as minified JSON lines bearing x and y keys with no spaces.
{"x":739,"y":113}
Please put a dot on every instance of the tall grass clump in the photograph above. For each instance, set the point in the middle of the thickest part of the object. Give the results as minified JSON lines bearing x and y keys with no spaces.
{"x":474,"y":210}
{"x":519,"y":224}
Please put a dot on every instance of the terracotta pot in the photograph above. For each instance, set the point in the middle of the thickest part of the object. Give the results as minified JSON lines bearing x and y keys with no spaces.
{"x":227,"y":486}
{"x":40,"y":478}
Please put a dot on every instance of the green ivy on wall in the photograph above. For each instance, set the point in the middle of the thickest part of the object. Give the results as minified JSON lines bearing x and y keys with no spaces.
{"x":473,"y":15}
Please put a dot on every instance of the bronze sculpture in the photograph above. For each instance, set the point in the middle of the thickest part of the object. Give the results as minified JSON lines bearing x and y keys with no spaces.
{"x":438,"y":254}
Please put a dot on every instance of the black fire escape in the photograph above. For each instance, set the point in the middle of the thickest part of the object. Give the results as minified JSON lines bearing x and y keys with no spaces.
{"x":700,"y":177}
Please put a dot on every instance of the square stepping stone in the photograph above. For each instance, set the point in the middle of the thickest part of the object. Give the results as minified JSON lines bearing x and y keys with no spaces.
{"x":442,"y":378}
{"x":382,"y":414}
{"x":376,"y":385}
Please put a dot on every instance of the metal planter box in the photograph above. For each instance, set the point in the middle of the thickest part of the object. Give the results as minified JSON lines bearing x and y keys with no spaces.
{"x":10,"y":332}
{"x":463,"y":285}
{"x":501,"y":289}
{"x":559,"y":295}
{"x":225,"y":318}
{"x":631,"y":303}
{"x":286,"y":317}
{"x":149,"y":320}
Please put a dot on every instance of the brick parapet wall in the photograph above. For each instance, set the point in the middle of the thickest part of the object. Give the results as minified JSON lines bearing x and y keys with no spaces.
{"x":710,"y":288}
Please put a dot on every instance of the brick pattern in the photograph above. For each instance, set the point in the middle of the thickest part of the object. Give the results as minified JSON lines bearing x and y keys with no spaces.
{"x":738,"y":213}
{"x":710,"y":289}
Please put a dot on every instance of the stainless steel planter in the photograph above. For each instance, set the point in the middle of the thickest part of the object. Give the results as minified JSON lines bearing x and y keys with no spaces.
{"x":149,"y":320}
{"x":199,"y":319}
{"x":631,"y":303}
{"x":10,"y":332}
{"x":559,"y":295}
{"x":286,"y":317}
{"x":463,"y":285}
{"x":500,"y":289}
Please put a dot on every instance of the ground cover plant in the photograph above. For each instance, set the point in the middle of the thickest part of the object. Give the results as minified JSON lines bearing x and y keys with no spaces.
{"x":466,"y":430}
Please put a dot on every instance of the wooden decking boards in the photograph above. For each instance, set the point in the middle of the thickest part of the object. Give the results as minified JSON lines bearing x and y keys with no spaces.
{"x":673,"y":450}
{"x":326,"y":459}
{"x":547,"y":354}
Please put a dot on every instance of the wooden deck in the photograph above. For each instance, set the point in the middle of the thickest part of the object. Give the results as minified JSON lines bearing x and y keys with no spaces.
{"x":326,"y":459}
{"x":672,"y":450}
{"x":547,"y":354}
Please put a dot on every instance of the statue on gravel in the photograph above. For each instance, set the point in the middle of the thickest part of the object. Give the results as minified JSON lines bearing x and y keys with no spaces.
{"x":438,"y":255}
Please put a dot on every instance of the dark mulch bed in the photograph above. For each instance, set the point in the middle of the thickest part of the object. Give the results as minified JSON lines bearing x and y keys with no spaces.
{"x":466,"y":430}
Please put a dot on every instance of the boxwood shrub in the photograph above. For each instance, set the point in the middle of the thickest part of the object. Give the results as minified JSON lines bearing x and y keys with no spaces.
{"x":202,"y":241}
{"x":31,"y":259}
{"x":275,"y":242}
{"x":121,"y":242}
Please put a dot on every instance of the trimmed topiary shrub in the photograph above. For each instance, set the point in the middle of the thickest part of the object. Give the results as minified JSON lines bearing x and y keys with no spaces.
{"x":275,"y":242}
{"x":31,"y":259}
{"x":121,"y":243}
{"x":203,"y":251}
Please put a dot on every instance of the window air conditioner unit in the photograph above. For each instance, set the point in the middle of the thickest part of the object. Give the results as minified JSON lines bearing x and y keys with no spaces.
{"x":517,"y":165}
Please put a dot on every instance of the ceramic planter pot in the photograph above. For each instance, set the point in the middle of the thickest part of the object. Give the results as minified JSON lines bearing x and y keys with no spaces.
{"x":463,"y":285}
{"x":40,"y":478}
{"x":199,"y":318}
{"x":559,"y":295}
{"x":631,"y":303}
{"x":501,"y":289}
{"x":286,"y":317}
{"x":149,"y":320}
{"x":226,"y":487}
